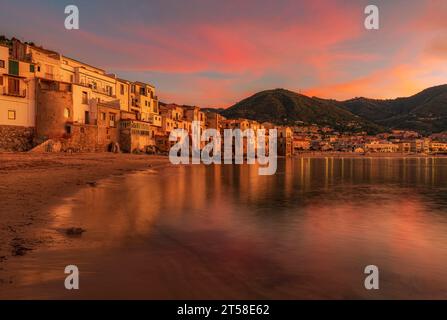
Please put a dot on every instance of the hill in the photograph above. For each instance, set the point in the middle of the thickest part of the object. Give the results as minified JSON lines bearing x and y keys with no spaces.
{"x":425,"y":112}
{"x":285,"y":107}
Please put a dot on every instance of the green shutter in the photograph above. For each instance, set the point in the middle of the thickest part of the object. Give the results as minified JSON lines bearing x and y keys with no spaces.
{"x":14,"y":67}
{"x":31,"y":68}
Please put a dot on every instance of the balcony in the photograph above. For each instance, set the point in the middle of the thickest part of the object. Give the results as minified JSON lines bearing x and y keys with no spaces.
{"x":13,"y":93}
{"x":105,"y":91}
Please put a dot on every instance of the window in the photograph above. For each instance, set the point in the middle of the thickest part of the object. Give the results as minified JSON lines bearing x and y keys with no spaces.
{"x":49,"y":69}
{"x":109,"y":90}
{"x":103,"y":116}
{"x":112,"y":119}
{"x":84,"y":97}
{"x":13,"y":86}
{"x":66,"y":113}
{"x":122,"y":89}
{"x":87,"y":117}
{"x":14,"y":67}
{"x":2,"y":63}
{"x":31,"y":68}
{"x":11,"y":114}
{"x":1,"y":80}
{"x":132,"y":89}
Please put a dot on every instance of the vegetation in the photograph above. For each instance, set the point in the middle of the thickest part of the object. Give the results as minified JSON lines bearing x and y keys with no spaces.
{"x":285,"y":107}
{"x":425,"y":112}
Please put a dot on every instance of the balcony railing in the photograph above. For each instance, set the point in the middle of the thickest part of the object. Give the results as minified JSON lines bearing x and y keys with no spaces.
{"x":14,"y":93}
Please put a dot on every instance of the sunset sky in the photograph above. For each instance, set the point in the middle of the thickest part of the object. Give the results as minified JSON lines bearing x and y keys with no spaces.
{"x":214,"y":53}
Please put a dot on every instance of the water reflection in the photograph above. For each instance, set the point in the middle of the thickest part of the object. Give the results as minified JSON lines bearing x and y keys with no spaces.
{"x":227,"y":232}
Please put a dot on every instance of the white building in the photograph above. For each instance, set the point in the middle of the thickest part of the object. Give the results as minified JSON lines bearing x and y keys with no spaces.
{"x":17,"y":91}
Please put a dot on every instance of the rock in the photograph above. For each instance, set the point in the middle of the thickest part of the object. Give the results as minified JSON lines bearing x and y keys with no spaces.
{"x":19,"y":249}
{"x":92,"y":183}
{"x":74,"y":231}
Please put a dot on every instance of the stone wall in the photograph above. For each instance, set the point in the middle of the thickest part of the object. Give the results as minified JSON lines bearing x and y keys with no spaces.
{"x":125,"y":140}
{"x":50,"y":118}
{"x":108,"y":132}
{"x":14,"y":138}
{"x":83,"y":138}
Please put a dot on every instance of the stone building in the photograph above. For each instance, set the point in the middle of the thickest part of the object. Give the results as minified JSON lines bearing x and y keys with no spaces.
{"x":285,"y":141}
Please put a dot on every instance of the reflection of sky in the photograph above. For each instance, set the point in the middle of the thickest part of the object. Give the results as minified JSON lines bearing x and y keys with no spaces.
{"x":213,"y":53}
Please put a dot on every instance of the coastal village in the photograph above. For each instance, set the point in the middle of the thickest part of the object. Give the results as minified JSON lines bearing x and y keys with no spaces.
{"x":52,"y":103}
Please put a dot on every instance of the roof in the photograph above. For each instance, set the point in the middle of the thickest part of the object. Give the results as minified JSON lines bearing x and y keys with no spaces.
{"x":144,"y":84}
{"x":123,"y":80}
{"x":89,"y":65}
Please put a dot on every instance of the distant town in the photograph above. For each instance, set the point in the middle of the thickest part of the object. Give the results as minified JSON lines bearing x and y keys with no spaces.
{"x":50,"y":102}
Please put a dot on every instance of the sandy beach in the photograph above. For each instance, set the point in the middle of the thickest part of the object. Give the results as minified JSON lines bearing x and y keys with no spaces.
{"x":32,"y":183}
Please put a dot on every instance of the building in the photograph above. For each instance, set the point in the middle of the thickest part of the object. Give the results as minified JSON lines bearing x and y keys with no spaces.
{"x":137,"y":135}
{"x":377,"y":146}
{"x":420,"y":145}
{"x":285,"y":141}
{"x":301,"y":144}
{"x":214,"y":120}
{"x":17,"y":102}
{"x":438,"y":147}
{"x":79,"y":104}
{"x":145,"y":102}
{"x":404,"y":147}
{"x":57,"y":117}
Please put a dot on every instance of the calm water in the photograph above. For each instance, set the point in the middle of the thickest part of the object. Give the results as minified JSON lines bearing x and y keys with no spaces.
{"x":201,"y":232}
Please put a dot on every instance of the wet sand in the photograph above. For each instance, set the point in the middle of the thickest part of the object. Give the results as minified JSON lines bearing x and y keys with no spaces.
{"x":30,"y":184}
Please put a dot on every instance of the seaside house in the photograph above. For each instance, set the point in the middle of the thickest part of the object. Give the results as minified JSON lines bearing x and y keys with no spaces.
{"x":17,"y":102}
{"x":285,"y":141}
{"x":438,"y":147}
{"x":214,"y":120}
{"x":377,"y":146}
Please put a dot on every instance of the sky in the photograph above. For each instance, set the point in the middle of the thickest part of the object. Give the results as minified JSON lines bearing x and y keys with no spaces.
{"x":214,"y":53}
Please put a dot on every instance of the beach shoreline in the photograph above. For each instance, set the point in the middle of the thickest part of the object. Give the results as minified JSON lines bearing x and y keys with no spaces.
{"x":32,"y":183}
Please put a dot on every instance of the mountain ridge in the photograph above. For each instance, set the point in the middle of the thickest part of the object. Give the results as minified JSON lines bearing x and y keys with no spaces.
{"x":425,"y":111}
